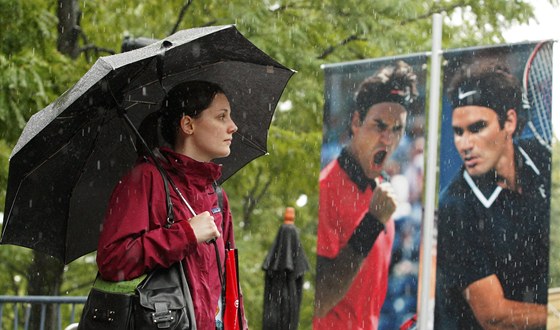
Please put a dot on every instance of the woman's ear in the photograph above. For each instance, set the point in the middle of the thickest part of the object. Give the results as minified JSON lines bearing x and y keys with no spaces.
{"x":186,"y":125}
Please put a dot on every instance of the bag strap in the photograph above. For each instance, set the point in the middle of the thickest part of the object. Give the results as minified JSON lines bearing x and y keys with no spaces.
{"x":170,"y":219}
{"x":156,"y":156}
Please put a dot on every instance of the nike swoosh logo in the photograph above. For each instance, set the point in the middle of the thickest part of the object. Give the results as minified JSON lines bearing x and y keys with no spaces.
{"x":465,"y":94}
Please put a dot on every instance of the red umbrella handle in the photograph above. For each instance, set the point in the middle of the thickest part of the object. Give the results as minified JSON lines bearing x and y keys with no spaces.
{"x":232,"y":320}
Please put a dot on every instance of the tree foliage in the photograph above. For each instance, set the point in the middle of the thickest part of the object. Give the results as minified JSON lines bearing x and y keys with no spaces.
{"x":301,"y":34}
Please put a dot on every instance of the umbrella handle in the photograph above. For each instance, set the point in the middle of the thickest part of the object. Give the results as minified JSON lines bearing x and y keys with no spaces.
{"x":183,"y":198}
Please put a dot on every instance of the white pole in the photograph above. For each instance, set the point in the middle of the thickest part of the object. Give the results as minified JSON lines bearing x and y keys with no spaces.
{"x":426,"y":306}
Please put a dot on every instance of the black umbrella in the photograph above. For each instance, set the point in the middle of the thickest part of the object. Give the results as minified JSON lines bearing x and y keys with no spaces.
{"x":72,"y":153}
{"x":285,"y":265}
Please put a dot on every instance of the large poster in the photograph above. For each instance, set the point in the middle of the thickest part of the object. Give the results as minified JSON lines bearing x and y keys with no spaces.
{"x":372,"y":157}
{"x":493,"y":224}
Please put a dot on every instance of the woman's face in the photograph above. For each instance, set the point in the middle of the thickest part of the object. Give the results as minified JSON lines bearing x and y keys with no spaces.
{"x":212,"y":131}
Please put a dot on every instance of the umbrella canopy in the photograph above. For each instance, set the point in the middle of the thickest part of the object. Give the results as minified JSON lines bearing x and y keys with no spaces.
{"x":285,"y":265}
{"x":72,"y":153}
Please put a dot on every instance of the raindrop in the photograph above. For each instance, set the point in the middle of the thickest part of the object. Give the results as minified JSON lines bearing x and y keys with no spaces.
{"x":144,"y":91}
{"x":99,"y":165}
{"x":30,"y":203}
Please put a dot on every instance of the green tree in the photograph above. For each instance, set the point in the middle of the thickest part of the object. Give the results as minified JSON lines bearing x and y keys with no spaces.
{"x":41,"y":56}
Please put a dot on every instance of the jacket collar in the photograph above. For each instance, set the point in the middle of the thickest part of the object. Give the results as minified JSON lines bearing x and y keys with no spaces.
{"x":349,"y":165}
{"x":203,"y":172}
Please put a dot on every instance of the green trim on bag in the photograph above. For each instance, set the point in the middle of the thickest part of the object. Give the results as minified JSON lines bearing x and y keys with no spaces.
{"x":125,"y":287}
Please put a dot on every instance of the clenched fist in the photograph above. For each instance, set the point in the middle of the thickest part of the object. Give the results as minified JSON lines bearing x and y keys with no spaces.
{"x":384,"y":202}
{"x":204,"y":227}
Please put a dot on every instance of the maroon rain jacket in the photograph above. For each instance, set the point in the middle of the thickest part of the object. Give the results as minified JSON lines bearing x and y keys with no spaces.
{"x":133,"y":238}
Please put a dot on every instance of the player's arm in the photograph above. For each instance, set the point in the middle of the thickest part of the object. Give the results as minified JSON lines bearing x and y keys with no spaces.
{"x":494,"y":311}
{"x":335,"y":276}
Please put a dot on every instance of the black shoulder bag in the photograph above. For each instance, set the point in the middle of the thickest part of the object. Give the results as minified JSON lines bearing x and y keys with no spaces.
{"x":162,"y":300}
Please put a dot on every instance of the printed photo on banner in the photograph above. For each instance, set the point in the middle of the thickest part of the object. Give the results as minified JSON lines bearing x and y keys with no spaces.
{"x":370,"y":193}
{"x":493,"y":221}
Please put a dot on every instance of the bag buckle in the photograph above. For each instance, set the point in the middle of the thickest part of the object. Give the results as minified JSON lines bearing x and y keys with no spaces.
{"x":162,"y":316}
{"x":103,"y":315}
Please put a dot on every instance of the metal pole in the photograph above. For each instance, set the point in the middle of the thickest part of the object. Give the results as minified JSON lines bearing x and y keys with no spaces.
{"x":425,"y":317}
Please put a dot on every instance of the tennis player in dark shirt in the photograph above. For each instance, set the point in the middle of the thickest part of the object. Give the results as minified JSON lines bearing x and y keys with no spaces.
{"x":493,"y":223}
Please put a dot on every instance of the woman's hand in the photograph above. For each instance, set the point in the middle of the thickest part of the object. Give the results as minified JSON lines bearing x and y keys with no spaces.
{"x":204,"y":227}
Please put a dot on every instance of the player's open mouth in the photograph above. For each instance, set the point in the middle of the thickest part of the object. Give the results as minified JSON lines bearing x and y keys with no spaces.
{"x":379,"y":157}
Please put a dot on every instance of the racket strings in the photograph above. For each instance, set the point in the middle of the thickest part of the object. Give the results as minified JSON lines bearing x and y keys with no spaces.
{"x":539,"y":92}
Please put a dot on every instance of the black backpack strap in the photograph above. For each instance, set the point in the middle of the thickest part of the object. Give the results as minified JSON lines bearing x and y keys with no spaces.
{"x":170,"y":219}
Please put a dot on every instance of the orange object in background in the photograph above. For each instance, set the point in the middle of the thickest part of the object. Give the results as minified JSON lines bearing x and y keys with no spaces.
{"x":289,"y":216}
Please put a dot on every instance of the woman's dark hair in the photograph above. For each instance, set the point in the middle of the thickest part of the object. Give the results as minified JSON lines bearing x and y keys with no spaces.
{"x":189,"y":98}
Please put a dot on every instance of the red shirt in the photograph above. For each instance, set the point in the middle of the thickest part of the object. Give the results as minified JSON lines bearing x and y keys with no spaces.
{"x":342,"y":205}
{"x":133,"y":239}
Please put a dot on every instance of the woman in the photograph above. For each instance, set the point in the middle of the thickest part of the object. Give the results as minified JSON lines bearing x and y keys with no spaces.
{"x":196,"y":122}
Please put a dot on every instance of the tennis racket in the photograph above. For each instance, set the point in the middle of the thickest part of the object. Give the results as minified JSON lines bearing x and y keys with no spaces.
{"x":537,"y":82}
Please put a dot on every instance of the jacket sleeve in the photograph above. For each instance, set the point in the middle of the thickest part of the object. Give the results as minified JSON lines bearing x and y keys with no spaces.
{"x":133,"y":238}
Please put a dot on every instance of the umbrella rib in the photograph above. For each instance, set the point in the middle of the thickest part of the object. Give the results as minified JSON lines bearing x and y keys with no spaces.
{"x":251,"y":143}
{"x":134,"y":77}
{"x":134,"y":103}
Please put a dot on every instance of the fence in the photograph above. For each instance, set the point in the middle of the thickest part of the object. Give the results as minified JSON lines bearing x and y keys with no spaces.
{"x":22,"y":305}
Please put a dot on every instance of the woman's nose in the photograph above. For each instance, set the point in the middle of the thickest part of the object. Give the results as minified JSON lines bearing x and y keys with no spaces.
{"x":233,"y":127}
